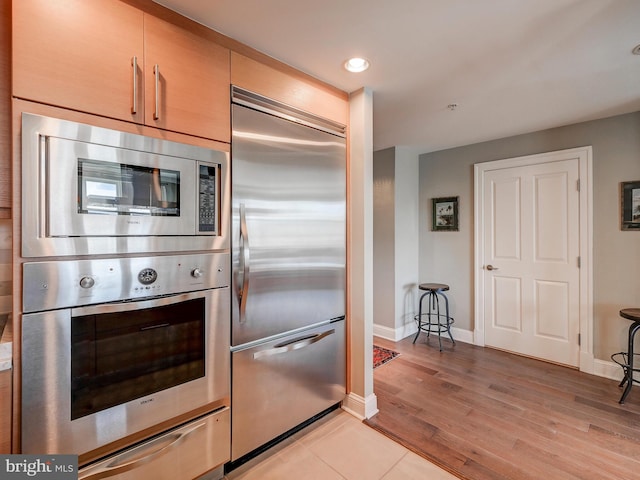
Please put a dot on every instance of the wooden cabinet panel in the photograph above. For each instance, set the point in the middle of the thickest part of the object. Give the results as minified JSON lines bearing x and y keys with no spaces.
{"x":78,"y":54}
{"x":191,"y":93}
{"x":288,"y":88}
{"x":5,"y":411}
{"x":5,"y":108}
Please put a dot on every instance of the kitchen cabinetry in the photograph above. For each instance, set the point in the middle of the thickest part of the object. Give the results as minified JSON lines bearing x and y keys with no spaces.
{"x":5,"y":109}
{"x":186,"y":81}
{"x":289,"y":87}
{"x":5,"y":411}
{"x":108,"y":58}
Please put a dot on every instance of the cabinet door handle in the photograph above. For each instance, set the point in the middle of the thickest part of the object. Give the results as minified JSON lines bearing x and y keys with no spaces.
{"x":156,"y":74}
{"x":134,"y":106}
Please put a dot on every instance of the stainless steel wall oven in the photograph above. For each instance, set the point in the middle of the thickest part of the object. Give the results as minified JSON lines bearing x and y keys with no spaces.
{"x":117,"y":351}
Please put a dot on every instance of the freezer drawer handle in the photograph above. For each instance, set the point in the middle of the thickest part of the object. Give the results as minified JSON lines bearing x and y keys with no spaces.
{"x":142,"y":454}
{"x":245,"y":257}
{"x":294,"y":344}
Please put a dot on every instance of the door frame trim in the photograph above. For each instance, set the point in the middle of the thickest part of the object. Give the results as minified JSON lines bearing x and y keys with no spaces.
{"x":585,"y":175}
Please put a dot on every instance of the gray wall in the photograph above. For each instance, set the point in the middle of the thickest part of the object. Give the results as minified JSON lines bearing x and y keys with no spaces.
{"x":384,"y":237}
{"x":448,"y":256}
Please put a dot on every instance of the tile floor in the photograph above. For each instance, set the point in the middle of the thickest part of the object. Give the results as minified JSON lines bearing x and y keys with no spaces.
{"x":339,"y":447}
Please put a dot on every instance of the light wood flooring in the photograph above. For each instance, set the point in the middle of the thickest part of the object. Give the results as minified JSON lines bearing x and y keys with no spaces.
{"x":485,"y":414}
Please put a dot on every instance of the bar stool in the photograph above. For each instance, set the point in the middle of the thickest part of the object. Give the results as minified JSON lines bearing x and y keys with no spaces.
{"x":625,"y":359}
{"x":435,"y":321}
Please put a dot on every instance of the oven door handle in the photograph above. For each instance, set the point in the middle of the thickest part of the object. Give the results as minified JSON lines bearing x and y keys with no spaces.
{"x":141,"y":455}
{"x":134,"y":305}
{"x":245,"y":258}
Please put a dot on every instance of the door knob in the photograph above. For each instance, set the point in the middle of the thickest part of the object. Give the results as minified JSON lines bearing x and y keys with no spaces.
{"x":491,"y":267}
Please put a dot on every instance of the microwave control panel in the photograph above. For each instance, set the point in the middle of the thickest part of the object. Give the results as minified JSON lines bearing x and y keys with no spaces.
{"x":207,"y":200}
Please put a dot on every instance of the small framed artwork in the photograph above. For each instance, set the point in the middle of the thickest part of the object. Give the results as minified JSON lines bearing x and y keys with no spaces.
{"x":445,"y":214}
{"x":630,"y":199}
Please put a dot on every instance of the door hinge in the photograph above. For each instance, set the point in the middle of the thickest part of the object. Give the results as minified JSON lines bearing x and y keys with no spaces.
{"x":579,"y":340}
{"x":579,"y":262}
{"x":578,"y":184}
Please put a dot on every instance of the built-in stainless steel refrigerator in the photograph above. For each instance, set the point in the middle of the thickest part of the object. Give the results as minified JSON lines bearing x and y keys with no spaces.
{"x":289,"y":255}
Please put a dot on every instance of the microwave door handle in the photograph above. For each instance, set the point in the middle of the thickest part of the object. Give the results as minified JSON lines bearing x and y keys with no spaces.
{"x":245,"y":258}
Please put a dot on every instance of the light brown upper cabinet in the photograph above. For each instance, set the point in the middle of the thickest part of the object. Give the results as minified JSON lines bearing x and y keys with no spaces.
{"x":108,"y":58}
{"x":186,"y":81}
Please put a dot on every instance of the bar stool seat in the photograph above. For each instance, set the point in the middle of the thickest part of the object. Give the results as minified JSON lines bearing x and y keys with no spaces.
{"x":626,"y":359}
{"x":431,"y":320}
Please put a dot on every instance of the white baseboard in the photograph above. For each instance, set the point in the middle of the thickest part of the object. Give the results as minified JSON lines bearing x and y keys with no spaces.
{"x":593,"y":366}
{"x":397,"y":334}
{"x":360,"y":407}
{"x":607,"y":369}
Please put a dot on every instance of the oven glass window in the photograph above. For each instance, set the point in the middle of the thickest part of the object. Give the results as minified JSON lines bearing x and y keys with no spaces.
{"x":118,"y":189}
{"x":118,"y":357}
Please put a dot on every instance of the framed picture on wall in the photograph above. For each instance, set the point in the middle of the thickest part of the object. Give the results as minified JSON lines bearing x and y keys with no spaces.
{"x":445,"y":214}
{"x":630,"y":200}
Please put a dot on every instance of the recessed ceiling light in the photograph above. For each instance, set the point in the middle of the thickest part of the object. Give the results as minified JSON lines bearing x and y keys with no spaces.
{"x":636,"y":50}
{"x":356,"y":64}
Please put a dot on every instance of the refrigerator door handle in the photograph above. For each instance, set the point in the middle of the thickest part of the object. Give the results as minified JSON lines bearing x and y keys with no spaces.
{"x":292,"y":345}
{"x":244,"y":258}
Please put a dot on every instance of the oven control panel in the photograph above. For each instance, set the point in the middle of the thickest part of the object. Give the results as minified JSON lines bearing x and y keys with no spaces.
{"x":69,"y":283}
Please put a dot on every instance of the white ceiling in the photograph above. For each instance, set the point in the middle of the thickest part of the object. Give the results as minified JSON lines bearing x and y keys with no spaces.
{"x":512,"y":66}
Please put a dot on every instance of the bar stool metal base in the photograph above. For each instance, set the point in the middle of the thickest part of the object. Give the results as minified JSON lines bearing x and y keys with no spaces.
{"x":431,"y":320}
{"x":626,"y":359}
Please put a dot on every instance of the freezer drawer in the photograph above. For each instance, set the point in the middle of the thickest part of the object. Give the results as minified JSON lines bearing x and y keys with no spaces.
{"x":280,"y":384}
{"x":183,"y":453}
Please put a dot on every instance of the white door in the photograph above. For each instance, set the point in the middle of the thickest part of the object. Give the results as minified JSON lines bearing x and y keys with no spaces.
{"x":530,"y":257}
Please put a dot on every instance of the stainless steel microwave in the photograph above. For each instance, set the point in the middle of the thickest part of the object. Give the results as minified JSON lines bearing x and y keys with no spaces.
{"x":94,"y":191}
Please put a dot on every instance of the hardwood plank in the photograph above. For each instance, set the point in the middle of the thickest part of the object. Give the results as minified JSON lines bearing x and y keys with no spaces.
{"x":486,"y":414}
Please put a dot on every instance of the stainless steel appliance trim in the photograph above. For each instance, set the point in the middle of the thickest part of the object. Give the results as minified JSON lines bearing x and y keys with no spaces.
{"x":62,"y":213}
{"x":202,"y":445}
{"x":143,"y":454}
{"x":35,"y":192}
{"x":295,"y":344}
{"x":46,"y":383}
{"x":296,"y":226}
{"x":273,"y":107}
{"x":57,"y":284}
{"x":314,"y":376}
